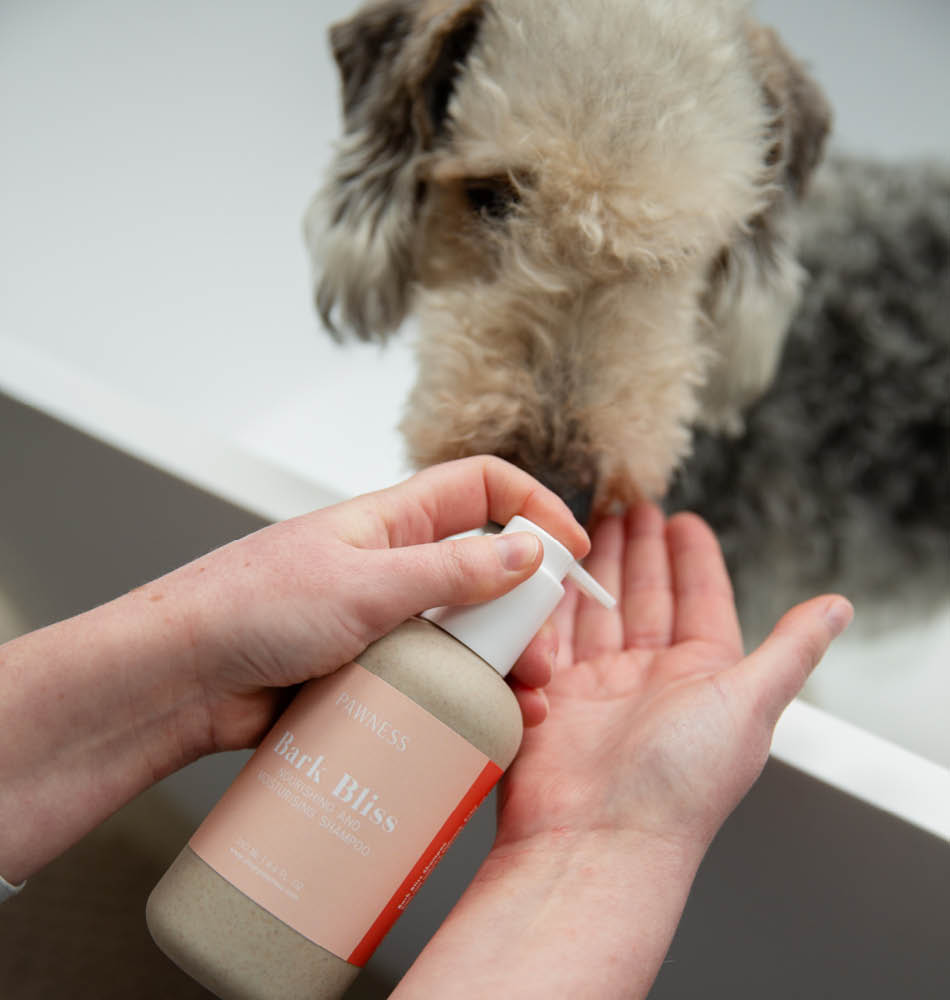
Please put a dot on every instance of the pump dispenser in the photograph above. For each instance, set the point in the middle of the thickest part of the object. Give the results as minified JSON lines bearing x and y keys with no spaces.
{"x":321,"y":841}
{"x":499,"y":631}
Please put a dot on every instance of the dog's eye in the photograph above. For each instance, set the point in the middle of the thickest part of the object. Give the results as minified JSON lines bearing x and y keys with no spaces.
{"x":491,"y":197}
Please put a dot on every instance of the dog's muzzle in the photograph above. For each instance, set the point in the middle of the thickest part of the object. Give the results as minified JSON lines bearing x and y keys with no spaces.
{"x":576,"y":487}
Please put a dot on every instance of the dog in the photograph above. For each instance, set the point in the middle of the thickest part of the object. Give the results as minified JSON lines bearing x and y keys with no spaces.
{"x":599,"y":212}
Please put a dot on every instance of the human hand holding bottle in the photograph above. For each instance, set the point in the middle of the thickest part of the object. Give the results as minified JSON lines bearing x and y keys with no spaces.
{"x":298,"y":599}
{"x":658,"y":726}
{"x":98,"y":707}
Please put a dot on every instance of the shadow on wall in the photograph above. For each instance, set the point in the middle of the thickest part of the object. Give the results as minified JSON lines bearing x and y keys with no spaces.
{"x":84,"y":523}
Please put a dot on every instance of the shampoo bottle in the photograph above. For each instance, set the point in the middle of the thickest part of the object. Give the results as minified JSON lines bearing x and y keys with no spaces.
{"x":316,"y":848}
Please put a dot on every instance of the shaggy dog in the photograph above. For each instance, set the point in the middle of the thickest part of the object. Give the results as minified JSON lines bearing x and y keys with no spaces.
{"x":597,"y":209}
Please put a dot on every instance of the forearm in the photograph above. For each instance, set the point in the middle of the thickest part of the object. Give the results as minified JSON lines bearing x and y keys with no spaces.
{"x":581,"y":916}
{"x":92,"y":711}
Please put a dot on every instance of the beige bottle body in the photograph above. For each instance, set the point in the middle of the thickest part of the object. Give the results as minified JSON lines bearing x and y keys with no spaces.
{"x":236,"y":948}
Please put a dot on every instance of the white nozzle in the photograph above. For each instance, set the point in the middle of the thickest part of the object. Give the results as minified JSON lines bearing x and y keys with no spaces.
{"x":586,"y":583}
{"x":559,"y":562}
{"x":500,"y":630}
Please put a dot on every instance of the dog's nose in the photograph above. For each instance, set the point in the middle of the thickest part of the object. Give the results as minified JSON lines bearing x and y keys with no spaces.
{"x":579,"y":499}
{"x":575,"y":489}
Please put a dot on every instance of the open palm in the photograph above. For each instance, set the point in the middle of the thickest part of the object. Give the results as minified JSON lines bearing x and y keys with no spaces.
{"x":658,"y":724}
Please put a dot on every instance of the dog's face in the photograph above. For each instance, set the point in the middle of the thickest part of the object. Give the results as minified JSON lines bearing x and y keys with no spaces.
{"x":589,"y":205}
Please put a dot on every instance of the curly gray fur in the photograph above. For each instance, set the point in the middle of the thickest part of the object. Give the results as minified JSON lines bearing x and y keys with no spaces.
{"x":841,"y":479}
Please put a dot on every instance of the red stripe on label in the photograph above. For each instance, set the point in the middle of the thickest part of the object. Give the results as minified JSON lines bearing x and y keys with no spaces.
{"x":430,"y":857}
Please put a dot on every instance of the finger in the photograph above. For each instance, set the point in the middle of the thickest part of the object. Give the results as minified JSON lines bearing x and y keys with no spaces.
{"x":458,"y":496}
{"x":404,"y":581}
{"x":772,"y":676}
{"x":533,"y":703}
{"x":704,"y":606}
{"x":646,"y":595}
{"x":535,"y":666}
{"x":598,"y":630}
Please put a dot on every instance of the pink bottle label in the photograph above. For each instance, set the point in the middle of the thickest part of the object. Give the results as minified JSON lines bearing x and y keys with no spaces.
{"x":344,"y":809}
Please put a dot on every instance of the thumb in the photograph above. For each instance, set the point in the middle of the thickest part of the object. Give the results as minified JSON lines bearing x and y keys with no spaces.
{"x":774,"y":674}
{"x":454,"y":571}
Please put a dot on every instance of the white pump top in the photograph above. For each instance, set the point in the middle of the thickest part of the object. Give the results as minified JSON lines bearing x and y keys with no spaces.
{"x":500,"y":630}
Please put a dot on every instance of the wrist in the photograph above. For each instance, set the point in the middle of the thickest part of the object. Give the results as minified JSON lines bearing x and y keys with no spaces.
{"x":155,"y":653}
{"x":574,"y":913}
{"x":560,"y":859}
{"x":94,"y":709}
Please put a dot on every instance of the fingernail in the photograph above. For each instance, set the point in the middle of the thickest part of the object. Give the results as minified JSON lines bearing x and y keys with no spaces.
{"x":838,"y":614}
{"x":518,"y":550}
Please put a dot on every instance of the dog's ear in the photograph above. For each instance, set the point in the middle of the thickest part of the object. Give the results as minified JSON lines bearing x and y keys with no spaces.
{"x":755,"y":286}
{"x":398,"y":61}
{"x":801,"y":114}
